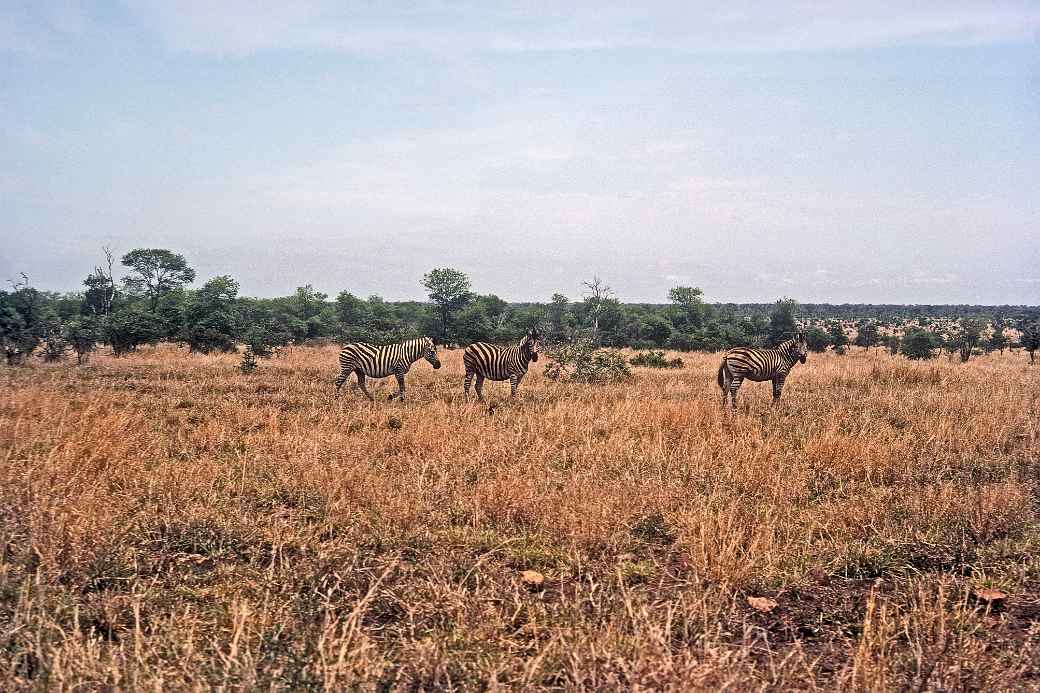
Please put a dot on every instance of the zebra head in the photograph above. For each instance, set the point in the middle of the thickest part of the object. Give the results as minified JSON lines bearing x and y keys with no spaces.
{"x":430,"y":352}
{"x":799,"y":348}
{"x":532,"y":343}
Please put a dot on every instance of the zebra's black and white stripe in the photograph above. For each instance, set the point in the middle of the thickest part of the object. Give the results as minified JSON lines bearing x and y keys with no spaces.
{"x":749,"y":363}
{"x":368,"y":360}
{"x":500,"y":363}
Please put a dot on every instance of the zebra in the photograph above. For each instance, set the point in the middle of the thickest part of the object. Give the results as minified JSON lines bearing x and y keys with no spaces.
{"x":758,"y":365}
{"x":381,"y":361}
{"x":500,"y":363}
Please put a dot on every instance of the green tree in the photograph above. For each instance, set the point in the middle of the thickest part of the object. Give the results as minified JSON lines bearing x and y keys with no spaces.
{"x":22,"y":321}
{"x":597,"y":295}
{"x":128,"y":327}
{"x":472,"y":324}
{"x":656,"y":329}
{"x":918,"y":344}
{"x":351,"y":310}
{"x":311,"y":307}
{"x":154,"y":272}
{"x":999,"y":339}
{"x":967,"y":336}
{"x":690,"y":302}
{"x":54,"y":340}
{"x":449,"y":289}
{"x":82,"y":336}
{"x":170,"y":312}
{"x":1031,"y":339}
{"x":817,"y":339}
{"x":101,"y":289}
{"x":209,"y":318}
{"x":782,"y":323}
{"x":561,"y":322}
{"x":839,"y":340}
{"x":867,"y":335}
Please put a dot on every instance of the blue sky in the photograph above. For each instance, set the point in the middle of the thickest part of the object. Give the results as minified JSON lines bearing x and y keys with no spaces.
{"x":873,"y":152}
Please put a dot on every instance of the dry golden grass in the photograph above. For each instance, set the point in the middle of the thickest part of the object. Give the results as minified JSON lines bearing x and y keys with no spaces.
{"x":168,"y":522}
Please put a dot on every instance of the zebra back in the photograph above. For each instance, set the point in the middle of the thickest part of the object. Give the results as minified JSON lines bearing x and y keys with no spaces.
{"x":380,"y":361}
{"x":755,"y":363}
{"x":498,"y":362}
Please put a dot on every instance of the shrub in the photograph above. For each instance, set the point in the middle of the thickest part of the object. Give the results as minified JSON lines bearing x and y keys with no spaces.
{"x":655,"y":359}
{"x":1030,"y":340}
{"x":248,"y":364}
{"x":817,"y":339}
{"x":581,"y":362}
{"x":82,"y":337}
{"x":919,"y":344}
{"x":209,"y":320}
{"x":128,"y":328}
{"x":54,"y":342}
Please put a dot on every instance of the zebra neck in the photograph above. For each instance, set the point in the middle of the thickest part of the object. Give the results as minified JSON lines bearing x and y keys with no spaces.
{"x":786,"y":353}
{"x":413,"y":351}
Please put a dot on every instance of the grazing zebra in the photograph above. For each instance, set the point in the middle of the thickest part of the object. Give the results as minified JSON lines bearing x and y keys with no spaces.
{"x":748,"y":363}
{"x":381,"y":361}
{"x":500,"y":363}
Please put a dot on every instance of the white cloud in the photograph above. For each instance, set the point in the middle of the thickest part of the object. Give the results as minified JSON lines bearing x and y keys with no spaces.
{"x":238,"y":27}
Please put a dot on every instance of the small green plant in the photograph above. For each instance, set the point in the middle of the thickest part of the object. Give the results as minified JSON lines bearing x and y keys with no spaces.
{"x":54,"y":342}
{"x":248,"y":364}
{"x":581,"y":362}
{"x":653,"y":528}
{"x":655,"y":359}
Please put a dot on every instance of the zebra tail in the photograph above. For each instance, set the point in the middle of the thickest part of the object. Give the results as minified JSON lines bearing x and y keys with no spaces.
{"x":724,"y":375}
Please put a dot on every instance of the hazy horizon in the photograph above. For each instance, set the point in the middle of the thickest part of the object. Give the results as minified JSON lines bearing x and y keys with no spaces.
{"x":843,"y":154}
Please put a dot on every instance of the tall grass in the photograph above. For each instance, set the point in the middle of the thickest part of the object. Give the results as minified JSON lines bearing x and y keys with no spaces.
{"x":167,"y":521}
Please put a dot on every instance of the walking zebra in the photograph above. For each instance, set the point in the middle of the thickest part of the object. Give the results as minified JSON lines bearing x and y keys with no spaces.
{"x":381,"y":361}
{"x":748,"y":363}
{"x":500,"y":363}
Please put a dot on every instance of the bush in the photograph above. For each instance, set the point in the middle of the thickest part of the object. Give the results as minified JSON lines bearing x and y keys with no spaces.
{"x":262,"y":339}
{"x":82,"y":337}
{"x":209,"y":319}
{"x":248,"y":364}
{"x":54,"y":342}
{"x":581,"y":362}
{"x":817,"y":339}
{"x":919,"y":344}
{"x":655,"y":359}
{"x":129,"y":328}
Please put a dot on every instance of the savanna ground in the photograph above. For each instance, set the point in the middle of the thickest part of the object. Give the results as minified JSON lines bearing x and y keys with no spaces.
{"x":168,"y":522}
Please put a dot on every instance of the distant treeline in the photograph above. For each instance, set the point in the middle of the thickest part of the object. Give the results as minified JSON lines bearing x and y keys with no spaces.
{"x":151,"y":301}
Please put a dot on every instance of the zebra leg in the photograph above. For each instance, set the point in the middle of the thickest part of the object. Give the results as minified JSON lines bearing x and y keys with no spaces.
{"x":361,"y":384}
{"x":778,"y":387}
{"x":724,"y":383}
{"x":344,"y":374}
{"x":400,"y":386}
{"x":734,"y":385}
{"x":465,"y":387}
{"x":480,"y":387}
